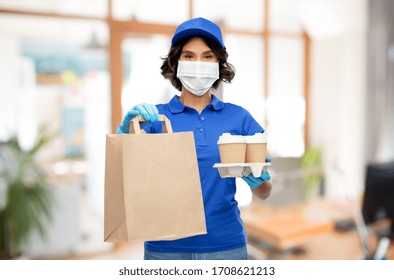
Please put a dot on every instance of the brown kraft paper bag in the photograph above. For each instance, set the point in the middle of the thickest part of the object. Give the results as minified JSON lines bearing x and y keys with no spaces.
{"x":152,"y":186}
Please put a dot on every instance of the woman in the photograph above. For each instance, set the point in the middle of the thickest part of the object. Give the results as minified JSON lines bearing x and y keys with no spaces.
{"x":196,"y":64}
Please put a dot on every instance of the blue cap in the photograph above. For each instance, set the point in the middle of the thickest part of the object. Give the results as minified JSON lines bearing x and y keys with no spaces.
{"x":198,"y":27}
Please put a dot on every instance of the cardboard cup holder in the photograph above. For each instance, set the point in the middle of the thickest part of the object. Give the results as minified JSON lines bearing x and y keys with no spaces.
{"x":227,"y":170}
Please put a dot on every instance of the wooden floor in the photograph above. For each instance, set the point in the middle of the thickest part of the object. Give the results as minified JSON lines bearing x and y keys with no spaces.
{"x":327,"y":245}
{"x":131,"y":251}
{"x":135,"y":251}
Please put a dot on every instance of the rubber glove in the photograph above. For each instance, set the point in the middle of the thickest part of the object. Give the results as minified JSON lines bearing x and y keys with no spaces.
{"x":254,"y":182}
{"x":148,"y":111}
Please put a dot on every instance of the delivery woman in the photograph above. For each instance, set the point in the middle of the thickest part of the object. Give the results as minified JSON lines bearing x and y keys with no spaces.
{"x":196,"y":64}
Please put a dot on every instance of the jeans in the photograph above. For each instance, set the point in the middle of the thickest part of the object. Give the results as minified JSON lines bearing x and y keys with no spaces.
{"x":235,"y":254}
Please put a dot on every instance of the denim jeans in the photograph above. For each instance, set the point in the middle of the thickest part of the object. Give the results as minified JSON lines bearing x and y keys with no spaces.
{"x":235,"y":254}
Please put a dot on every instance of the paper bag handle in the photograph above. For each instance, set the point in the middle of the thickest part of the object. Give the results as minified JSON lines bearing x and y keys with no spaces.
{"x":135,"y":124}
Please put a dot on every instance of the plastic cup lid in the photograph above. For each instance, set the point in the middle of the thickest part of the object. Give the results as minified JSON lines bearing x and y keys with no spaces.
{"x":227,"y":138}
{"x":257,"y":138}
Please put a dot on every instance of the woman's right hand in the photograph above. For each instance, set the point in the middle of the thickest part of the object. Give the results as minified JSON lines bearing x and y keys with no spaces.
{"x":148,"y":111}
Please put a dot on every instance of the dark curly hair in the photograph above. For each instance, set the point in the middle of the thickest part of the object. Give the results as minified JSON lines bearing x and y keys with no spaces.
{"x":170,"y":63}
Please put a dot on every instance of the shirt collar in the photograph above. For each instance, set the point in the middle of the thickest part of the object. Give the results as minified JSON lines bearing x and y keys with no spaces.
{"x":176,"y":106}
{"x":216,"y":103}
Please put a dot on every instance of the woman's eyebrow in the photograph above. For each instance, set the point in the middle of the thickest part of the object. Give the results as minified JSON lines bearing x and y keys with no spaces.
{"x":189,"y":51}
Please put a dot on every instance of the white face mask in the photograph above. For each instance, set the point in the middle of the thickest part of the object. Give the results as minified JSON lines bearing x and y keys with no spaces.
{"x":196,"y":76}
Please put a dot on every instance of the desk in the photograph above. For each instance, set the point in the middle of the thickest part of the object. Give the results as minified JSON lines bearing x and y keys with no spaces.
{"x":317,"y":241}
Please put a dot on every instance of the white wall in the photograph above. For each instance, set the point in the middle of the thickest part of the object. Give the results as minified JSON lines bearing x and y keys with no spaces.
{"x":338,"y":98}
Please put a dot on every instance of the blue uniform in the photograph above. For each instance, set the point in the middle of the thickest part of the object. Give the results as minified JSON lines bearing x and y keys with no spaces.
{"x":224,"y":225}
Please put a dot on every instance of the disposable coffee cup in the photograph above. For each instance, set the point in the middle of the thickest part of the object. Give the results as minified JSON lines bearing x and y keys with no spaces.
{"x":232,"y":148}
{"x":256,"y":148}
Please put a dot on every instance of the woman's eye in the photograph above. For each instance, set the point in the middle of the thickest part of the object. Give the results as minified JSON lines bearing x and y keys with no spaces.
{"x":188,"y":56}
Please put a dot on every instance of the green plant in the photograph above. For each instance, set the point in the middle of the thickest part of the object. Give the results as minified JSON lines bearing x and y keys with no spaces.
{"x":27,"y":200}
{"x":311,"y":163}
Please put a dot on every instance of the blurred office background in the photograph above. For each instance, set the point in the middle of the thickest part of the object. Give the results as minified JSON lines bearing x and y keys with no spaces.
{"x":317,"y":74}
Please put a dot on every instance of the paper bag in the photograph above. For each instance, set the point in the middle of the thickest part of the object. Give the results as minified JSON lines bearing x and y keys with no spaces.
{"x":152,"y":186}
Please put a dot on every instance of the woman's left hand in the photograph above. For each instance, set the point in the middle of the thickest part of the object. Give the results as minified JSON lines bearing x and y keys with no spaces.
{"x":254,"y":182}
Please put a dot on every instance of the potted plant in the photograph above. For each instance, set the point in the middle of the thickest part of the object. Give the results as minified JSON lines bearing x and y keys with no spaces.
{"x":312,"y":165}
{"x":25,"y":198}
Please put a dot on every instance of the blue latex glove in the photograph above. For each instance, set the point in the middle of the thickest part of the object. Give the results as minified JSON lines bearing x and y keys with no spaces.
{"x":148,"y":111}
{"x":254,"y":182}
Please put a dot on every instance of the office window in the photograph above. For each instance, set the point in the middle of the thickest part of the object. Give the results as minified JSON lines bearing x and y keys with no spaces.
{"x":143,"y":82}
{"x":235,"y":14}
{"x":286,"y":102}
{"x":97,"y":8}
{"x":153,"y":11}
{"x":246,"y":90}
{"x":76,"y":32}
{"x":284,"y":15}
{"x":60,"y":80}
{"x":286,"y":66}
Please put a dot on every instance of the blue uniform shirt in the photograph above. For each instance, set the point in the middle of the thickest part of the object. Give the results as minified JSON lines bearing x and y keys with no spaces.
{"x":224,"y":225}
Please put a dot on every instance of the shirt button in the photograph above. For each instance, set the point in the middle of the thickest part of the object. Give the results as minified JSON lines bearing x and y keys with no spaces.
{"x":201,"y":130}
{"x":202,"y":118}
